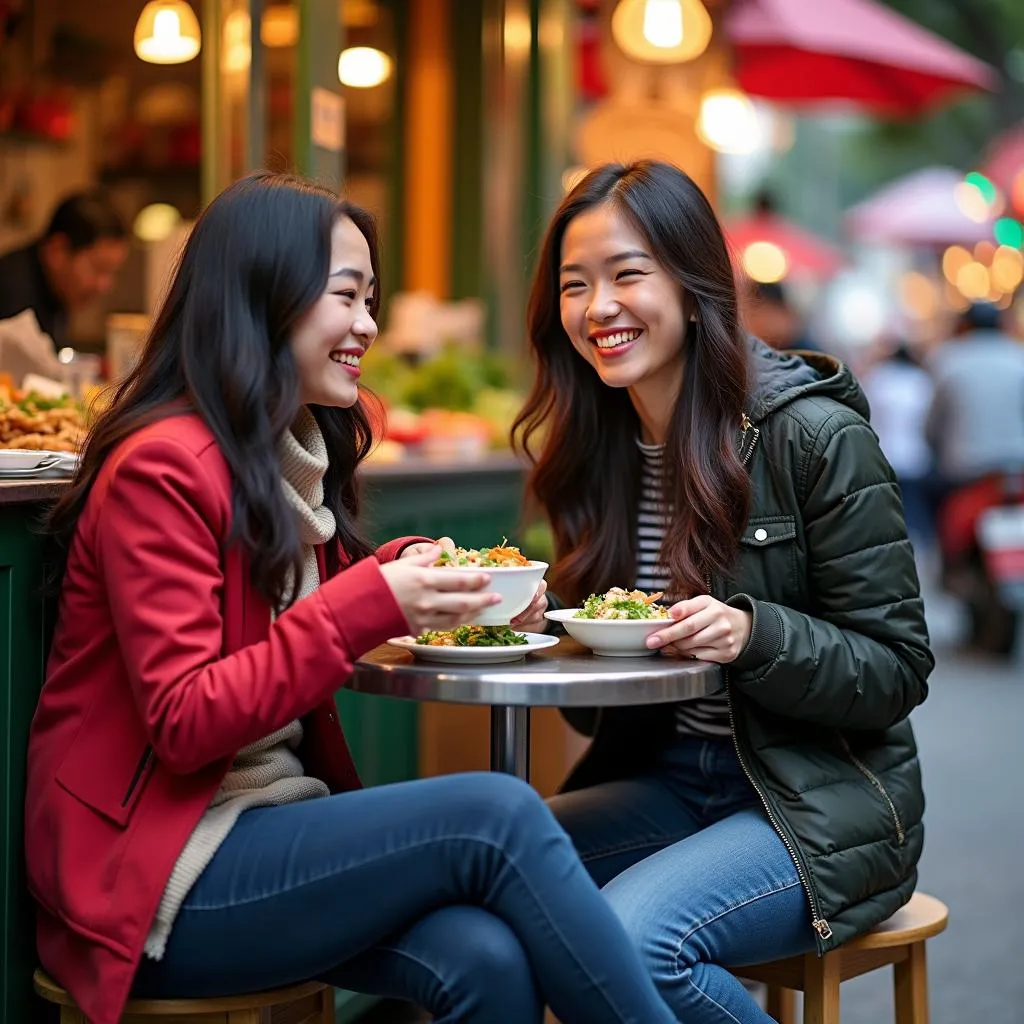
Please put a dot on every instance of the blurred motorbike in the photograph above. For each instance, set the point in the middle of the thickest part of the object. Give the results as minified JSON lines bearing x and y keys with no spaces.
{"x":981,"y":540}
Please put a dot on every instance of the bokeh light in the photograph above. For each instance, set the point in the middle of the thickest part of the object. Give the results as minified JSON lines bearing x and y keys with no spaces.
{"x":1008,"y":231}
{"x":973,"y":281}
{"x":985,"y":186}
{"x":917,"y":294}
{"x":1007,"y":268}
{"x":983,"y":252}
{"x":765,"y":262}
{"x":955,"y":257}
{"x":971,"y":202}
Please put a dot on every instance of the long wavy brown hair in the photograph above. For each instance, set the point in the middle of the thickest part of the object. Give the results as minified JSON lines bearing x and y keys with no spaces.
{"x":255,"y":262}
{"x":586,"y":475}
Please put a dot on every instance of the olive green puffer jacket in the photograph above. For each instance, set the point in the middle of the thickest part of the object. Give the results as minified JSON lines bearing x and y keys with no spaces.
{"x":838,"y":655}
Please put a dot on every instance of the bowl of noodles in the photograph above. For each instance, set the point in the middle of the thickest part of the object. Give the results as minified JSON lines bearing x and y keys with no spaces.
{"x":513,"y":576}
{"x":615,"y":624}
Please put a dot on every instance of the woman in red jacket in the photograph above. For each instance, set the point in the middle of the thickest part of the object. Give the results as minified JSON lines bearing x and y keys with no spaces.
{"x":194,"y":822}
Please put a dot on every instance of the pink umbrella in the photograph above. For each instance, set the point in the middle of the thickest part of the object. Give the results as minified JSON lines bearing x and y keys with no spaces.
{"x":806,"y":51}
{"x":919,"y":209}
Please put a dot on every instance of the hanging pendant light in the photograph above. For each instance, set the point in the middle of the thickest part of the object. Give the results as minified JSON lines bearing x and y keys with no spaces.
{"x":167,"y":32}
{"x":729,"y":122}
{"x":661,"y":31}
{"x":363,"y":67}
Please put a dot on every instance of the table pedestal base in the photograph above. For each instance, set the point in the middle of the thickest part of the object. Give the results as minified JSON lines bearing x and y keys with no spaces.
{"x":510,"y":740}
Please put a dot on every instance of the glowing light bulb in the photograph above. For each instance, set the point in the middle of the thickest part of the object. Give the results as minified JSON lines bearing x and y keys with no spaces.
{"x":661,"y":31}
{"x":728,"y":121}
{"x":363,"y":67}
{"x":167,"y":32}
{"x":663,"y":23}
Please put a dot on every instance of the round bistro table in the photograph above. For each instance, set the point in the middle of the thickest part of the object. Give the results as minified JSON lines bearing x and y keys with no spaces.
{"x":567,"y":675}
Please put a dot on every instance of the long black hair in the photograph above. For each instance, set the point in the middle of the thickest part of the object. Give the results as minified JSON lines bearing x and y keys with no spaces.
{"x":257,"y":259}
{"x":586,"y":476}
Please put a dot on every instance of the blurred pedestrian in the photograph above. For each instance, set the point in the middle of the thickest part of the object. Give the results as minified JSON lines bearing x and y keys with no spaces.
{"x":975,"y":424}
{"x":900,"y":391}
{"x":768,"y":314}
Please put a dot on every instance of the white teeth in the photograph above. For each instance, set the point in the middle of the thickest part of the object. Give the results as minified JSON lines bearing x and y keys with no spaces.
{"x":345,"y":357}
{"x":622,"y":338}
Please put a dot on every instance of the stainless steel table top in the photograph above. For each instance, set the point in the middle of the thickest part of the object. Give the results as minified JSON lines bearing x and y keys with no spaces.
{"x":566,"y":675}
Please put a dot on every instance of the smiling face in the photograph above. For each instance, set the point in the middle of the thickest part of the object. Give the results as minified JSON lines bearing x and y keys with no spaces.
{"x":332,"y":335}
{"x":622,"y":311}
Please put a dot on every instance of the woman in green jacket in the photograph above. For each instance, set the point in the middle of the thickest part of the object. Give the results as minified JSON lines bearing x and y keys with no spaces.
{"x":672,"y":453}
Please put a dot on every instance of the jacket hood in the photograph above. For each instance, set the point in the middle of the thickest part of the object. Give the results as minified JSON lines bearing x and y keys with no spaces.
{"x":782,"y":377}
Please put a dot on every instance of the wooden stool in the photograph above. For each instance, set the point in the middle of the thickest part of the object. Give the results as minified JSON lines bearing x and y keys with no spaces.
{"x":898,"y":941}
{"x":309,"y":1003}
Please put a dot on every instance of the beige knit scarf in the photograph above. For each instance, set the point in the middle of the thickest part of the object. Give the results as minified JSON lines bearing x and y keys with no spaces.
{"x":303,"y":455}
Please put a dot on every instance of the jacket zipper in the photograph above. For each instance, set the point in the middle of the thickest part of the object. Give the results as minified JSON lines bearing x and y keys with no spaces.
{"x":147,"y":756}
{"x":877,"y":783}
{"x":818,"y":923}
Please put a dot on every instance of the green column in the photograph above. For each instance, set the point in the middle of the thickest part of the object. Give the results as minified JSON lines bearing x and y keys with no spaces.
{"x":316,"y":85}
{"x":467,"y":29}
{"x":24,"y":615}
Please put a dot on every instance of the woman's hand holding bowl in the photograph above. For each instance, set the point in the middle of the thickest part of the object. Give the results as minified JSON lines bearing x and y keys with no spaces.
{"x":704,"y":628}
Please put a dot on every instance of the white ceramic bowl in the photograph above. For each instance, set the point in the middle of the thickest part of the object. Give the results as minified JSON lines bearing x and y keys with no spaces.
{"x":517,"y":584}
{"x":612,"y":638}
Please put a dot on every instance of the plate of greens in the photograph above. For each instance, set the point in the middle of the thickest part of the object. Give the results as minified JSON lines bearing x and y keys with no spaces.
{"x":473,"y":645}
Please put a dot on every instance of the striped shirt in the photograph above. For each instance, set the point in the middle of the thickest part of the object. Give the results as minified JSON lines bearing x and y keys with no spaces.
{"x":708,"y":716}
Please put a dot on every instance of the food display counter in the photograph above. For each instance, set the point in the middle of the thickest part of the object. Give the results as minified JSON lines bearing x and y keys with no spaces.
{"x":477,"y":502}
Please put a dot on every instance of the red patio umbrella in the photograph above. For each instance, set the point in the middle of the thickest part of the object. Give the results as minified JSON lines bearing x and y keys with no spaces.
{"x":807,"y":51}
{"x":806,"y":254}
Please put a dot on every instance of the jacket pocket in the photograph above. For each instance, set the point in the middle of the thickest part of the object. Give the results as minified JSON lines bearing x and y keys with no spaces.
{"x":109,"y":762}
{"x":876,"y":782}
{"x":768,"y":563}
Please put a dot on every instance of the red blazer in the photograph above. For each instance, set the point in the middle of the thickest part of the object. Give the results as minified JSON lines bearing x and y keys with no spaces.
{"x":164,"y":664}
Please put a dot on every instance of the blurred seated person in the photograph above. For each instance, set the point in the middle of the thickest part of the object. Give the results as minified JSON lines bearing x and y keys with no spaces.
{"x":768,"y":315}
{"x":975,"y":424}
{"x":74,"y":263}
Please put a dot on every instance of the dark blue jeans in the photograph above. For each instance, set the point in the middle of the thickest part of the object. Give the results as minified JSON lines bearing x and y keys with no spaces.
{"x":697,"y":874}
{"x":460,"y":893}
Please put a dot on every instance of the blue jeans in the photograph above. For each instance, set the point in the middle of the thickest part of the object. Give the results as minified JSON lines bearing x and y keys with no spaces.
{"x":697,"y":874}
{"x":459,"y":893}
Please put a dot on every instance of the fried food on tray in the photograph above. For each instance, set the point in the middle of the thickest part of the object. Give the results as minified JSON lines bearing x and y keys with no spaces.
{"x":501,"y":556}
{"x":472,"y":636}
{"x":28,"y":420}
{"x":622,"y":604}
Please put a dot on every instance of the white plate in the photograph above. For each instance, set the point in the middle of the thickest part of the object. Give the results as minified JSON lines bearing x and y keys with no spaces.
{"x":16,"y":463}
{"x":474,"y":655}
{"x":23,"y":458}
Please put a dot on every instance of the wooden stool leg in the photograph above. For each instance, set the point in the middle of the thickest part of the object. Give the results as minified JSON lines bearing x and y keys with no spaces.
{"x":911,"y":987}
{"x":327,"y":1005}
{"x":72,"y":1015}
{"x":781,"y":1004}
{"x":821,"y":994}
